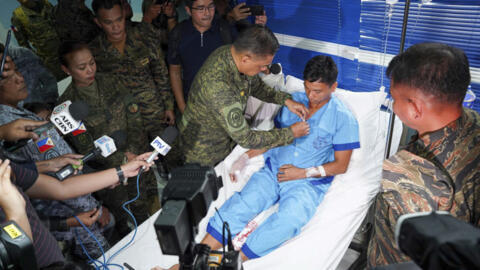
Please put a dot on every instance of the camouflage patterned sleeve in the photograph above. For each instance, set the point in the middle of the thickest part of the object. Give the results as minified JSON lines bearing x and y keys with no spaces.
{"x":265,"y":93}
{"x":382,"y":249}
{"x":229,"y":114}
{"x":161,"y":78}
{"x":19,"y":33}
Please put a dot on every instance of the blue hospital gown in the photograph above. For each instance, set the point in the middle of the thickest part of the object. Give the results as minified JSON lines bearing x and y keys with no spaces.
{"x":332,"y":128}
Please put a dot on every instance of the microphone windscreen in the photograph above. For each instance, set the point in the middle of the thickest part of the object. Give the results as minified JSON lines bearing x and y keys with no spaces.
{"x":120,"y":139}
{"x":79,"y":110}
{"x":169,"y":135}
{"x":275,"y":68}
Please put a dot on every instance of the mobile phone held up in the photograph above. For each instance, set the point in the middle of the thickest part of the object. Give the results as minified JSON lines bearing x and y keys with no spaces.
{"x":255,"y":10}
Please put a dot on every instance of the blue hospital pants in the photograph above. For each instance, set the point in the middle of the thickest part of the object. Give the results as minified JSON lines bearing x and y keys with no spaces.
{"x":298,"y":201}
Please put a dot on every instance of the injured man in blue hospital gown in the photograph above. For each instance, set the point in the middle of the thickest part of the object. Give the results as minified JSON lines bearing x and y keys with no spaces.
{"x":295,"y":176}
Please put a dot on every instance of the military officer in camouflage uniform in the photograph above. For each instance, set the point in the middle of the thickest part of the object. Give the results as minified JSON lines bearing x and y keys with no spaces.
{"x":213,"y":121}
{"x":137,"y":61}
{"x":112,"y":108}
{"x":74,"y":21}
{"x":35,"y":27}
{"x":440,"y":168}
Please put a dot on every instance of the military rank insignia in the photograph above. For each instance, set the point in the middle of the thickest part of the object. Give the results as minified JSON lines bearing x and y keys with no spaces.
{"x":133,"y":108}
{"x":144,"y":61}
{"x":45,"y":144}
{"x":81,"y":129}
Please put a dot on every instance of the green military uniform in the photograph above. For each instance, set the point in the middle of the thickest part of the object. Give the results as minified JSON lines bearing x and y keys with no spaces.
{"x":141,"y":68}
{"x":74,"y":21}
{"x":38,"y":30}
{"x":213,"y":121}
{"x":112,"y":108}
{"x":438,"y":172}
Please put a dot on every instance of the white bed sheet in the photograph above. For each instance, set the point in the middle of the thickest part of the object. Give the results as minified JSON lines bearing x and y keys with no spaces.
{"x":324,"y":240}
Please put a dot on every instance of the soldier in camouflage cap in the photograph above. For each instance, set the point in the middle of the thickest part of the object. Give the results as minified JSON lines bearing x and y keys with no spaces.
{"x":137,"y":61}
{"x":213,"y":121}
{"x":112,"y":108}
{"x":35,"y":26}
{"x":440,"y":168}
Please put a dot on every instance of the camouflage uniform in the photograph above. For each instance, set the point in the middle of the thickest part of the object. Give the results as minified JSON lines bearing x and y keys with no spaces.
{"x":112,"y":108}
{"x":141,"y":68}
{"x":440,"y":171}
{"x":74,"y":21}
{"x":38,"y":29}
{"x":213,"y":121}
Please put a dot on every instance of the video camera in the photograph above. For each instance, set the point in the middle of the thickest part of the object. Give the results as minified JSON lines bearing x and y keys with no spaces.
{"x":16,"y":249}
{"x":185,"y":201}
{"x":436,"y":241}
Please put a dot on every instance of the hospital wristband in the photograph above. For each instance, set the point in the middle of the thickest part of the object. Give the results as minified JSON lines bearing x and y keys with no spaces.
{"x":312,"y":171}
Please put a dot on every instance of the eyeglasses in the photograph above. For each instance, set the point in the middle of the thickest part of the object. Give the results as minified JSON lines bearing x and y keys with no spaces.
{"x":204,"y":8}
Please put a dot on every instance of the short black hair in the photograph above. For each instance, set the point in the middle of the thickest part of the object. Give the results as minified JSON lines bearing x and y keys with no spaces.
{"x":435,"y":69}
{"x":105,"y":4}
{"x":258,"y":40}
{"x":69,"y":47}
{"x":189,"y":3}
{"x":321,"y":68}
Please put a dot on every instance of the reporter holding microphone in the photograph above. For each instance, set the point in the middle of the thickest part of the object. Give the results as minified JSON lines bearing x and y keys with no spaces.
{"x":111,"y":107}
{"x":32,"y":185}
{"x":50,"y":152}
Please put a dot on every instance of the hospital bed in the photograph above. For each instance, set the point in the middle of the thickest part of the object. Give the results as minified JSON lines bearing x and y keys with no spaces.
{"x":324,"y":240}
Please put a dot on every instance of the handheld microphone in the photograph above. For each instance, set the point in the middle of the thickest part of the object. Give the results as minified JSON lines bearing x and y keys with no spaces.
{"x":275,"y":68}
{"x":66,"y":117}
{"x":161,"y":145}
{"x":104,"y":146}
{"x":78,"y":110}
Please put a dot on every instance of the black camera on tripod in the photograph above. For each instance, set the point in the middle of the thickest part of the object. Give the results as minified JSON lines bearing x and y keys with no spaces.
{"x":185,"y":201}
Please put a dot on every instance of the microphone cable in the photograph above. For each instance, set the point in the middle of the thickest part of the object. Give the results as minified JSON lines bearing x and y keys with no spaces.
{"x":106,"y":263}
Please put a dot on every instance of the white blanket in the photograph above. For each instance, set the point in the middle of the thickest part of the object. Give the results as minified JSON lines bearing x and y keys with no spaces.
{"x":324,"y":240}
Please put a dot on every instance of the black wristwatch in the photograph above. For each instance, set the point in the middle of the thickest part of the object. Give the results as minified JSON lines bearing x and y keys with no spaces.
{"x":121,"y":177}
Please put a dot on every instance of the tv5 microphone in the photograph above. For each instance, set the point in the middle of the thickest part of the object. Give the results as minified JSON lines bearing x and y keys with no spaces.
{"x":162,"y":144}
{"x":104,"y":146}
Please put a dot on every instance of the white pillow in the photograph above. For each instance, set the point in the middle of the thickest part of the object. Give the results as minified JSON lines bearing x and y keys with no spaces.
{"x":293,"y":84}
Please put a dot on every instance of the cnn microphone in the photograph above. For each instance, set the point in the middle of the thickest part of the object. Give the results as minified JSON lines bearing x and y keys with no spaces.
{"x":161,"y":145}
{"x":104,"y":146}
{"x":66,"y":117}
{"x":77,"y":110}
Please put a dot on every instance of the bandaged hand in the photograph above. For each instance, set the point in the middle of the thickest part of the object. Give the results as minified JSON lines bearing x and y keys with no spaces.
{"x":238,"y":166}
